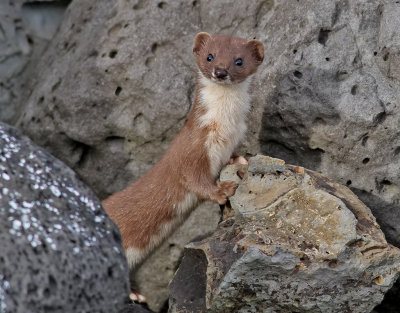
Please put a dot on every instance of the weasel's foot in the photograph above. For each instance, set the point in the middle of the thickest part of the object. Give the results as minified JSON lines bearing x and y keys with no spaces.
{"x":239,"y":159}
{"x":137,"y":297}
{"x":225,"y":190}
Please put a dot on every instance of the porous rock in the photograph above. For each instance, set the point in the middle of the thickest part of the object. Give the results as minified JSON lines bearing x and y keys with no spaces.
{"x":59,"y":250}
{"x":293,"y":241}
{"x":26,"y":27}
{"x":328,"y":97}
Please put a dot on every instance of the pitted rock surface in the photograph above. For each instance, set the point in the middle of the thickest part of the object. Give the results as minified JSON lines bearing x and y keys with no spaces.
{"x":26,"y":28}
{"x":59,"y":250}
{"x":293,"y":241}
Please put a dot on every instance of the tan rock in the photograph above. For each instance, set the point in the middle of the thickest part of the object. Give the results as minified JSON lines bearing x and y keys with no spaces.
{"x":297,"y":242}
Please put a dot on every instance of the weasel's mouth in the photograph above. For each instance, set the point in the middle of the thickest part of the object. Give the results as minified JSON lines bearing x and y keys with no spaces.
{"x":221,"y":77}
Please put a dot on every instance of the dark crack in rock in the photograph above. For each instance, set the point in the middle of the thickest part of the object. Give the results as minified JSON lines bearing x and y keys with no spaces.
{"x":59,"y":250}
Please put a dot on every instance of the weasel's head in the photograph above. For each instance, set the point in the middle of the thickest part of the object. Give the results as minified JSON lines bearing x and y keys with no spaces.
{"x":227,"y":60}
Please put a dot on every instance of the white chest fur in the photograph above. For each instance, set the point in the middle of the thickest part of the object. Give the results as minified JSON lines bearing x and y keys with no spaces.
{"x":226,"y":108}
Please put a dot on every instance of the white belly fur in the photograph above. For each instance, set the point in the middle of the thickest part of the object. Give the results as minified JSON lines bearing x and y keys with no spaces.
{"x":226,"y":110}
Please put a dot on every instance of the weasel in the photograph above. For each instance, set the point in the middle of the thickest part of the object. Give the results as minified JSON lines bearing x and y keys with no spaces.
{"x":149,"y":209}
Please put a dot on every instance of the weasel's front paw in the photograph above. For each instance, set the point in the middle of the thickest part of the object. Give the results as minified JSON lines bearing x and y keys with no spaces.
{"x":239,"y":160}
{"x":225,"y":190}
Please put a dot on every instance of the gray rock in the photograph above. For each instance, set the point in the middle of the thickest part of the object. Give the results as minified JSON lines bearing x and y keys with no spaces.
{"x":297,"y":242}
{"x":135,"y":308}
{"x":26,"y":27}
{"x":329,"y":97}
{"x":390,"y":303}
{"x":59,"y":250}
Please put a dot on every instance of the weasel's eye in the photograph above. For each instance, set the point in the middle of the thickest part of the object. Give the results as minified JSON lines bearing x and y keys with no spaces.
{"x":239,"y":62}
{"x":210,"y":57}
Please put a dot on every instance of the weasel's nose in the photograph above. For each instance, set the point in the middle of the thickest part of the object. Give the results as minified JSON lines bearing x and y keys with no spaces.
{"x":221,"y":74}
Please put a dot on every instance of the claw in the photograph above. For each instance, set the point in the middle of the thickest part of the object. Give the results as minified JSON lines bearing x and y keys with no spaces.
{"x":137,"y":297}
{"x":239,"y":159}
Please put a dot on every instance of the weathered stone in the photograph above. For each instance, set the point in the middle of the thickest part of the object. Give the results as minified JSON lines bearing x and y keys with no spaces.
{"x":298,"y":242}
{"x":26,"y":27}
{"x":328,"y":97}
{"x":59,"y":250}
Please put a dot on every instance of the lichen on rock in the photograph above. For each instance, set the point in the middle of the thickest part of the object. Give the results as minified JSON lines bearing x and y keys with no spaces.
{"x":292,"y":241}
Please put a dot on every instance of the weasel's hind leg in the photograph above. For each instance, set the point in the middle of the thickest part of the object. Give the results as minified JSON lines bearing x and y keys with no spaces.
{"x":135,"y":295}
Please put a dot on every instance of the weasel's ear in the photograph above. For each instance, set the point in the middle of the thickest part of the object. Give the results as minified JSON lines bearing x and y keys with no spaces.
{"x":199,"y":41}
{"x":257,"y":49}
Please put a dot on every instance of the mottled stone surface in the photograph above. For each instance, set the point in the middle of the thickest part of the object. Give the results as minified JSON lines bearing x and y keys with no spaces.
{"x":26,"y":27}
{"x":293,"y":241}
{"x":330,"y":97}
{"x":59,"y":250}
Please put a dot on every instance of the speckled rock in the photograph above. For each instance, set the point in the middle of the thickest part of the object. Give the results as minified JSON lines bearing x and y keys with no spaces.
{"x":59,"y":250}
{"x":293,"y":241}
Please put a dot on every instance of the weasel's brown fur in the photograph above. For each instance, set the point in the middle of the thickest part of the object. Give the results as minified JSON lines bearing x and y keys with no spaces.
{"x":153,"y":206}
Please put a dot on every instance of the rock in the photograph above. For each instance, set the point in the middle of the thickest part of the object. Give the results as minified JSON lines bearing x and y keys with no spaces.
{"x":26,"y":27}
{"x":390,"y":303}
{"x":328,"y":97}
{"x":59,"y":250}
{"x":108,"y":131}
{"x":134,"y":308}
{"x":295,"y":241}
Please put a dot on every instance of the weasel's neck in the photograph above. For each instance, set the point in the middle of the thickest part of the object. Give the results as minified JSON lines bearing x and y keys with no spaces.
{"x":230,"y":102}
{"x":224,"y":110}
